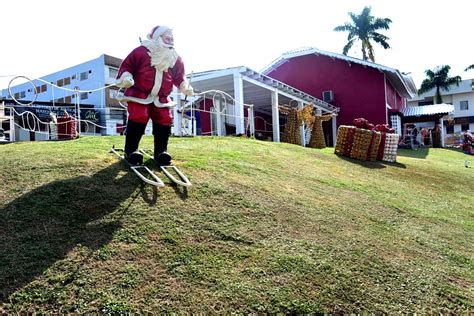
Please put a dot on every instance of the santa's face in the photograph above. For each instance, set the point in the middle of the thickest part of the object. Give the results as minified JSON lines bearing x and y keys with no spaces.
{"x":168,"y":39}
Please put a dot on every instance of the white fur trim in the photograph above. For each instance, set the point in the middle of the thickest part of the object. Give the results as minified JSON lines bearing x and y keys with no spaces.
{"x":157,"y":85}
{"x":169,"y":104}
{"x":126,"y":74}
{"x":125,"y":80}
{"x":183,"y":85}
{"x":186,"y":88}
{"x":148,"y":100}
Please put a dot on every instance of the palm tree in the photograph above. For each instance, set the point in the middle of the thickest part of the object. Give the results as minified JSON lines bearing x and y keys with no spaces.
{"x":364,"y":28}
{"x":469,"y":68}
{"x":438,"y":78}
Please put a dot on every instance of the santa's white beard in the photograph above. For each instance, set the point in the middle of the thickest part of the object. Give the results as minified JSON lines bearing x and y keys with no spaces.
{"x":162,"y":58}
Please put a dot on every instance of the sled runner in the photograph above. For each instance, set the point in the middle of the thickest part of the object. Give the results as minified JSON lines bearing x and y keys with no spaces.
{"x":141,"y":171}
{"x":170,"y":171}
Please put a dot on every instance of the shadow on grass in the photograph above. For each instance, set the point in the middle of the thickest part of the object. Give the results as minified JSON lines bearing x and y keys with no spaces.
{"x":147,"y":199}
{"x":394,"y":164}
{"x":372,"y":164}
{"x":419,"y":153}
{"x":180,"y":191}
{"x":42,"y":226}
{"x":363,"y":163}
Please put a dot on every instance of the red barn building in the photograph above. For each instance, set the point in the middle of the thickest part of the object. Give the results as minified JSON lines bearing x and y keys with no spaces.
{"x":359,"y":88}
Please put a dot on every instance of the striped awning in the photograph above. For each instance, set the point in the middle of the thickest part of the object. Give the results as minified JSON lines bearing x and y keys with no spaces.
{"x":426,"y":110}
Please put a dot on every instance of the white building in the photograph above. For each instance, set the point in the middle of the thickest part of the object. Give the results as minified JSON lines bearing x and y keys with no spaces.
{"x":461,"y":97}
{"x":95,"y":74}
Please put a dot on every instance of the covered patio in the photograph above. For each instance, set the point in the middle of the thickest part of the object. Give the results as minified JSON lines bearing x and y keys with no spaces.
{"x":252,"y":92}
{"x":427,"y":114}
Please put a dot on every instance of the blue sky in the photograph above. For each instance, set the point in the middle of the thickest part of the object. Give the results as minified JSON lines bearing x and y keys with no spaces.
{"x":41,"y":37}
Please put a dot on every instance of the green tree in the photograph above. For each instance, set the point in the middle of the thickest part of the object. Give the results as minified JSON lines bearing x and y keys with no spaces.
{"x":469,"y":68}
{"x":364,"y":27}
{"x":438,"y":79}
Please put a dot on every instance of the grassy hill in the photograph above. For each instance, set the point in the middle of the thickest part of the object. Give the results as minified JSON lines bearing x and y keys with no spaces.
{"x":265,"y":227}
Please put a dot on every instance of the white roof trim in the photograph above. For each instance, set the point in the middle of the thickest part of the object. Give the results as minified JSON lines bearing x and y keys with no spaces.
{"x":269,"y":82}
{"x":206,"y":75}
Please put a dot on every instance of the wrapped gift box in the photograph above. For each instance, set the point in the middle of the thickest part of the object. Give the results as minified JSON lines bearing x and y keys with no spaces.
{"x":357,"y":143}
{"x":67,"y":128}
{"x":390,"y":148}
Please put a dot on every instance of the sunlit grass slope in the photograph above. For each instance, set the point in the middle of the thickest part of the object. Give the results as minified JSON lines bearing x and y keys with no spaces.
{"x":265,"y":227}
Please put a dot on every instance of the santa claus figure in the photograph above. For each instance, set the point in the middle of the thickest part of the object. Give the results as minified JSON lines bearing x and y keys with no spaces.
{"x":148,"y":74}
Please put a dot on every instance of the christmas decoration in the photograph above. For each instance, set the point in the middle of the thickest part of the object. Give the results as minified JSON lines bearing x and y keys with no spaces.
{"x":296,"y":117}
{"x":317,"y":134}
{"x":468,"y":143}
{"x":365,"y":141}
{"x":148,"y":74}
{"x":291,"y":132}
{"x":390,"y":148}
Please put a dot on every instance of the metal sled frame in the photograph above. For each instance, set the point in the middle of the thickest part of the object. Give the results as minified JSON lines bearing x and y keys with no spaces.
{"x":183,"y":180}
{"x":138,"y":170}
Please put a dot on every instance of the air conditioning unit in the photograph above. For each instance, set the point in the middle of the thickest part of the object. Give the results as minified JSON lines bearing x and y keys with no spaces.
{"x":328,"y":96}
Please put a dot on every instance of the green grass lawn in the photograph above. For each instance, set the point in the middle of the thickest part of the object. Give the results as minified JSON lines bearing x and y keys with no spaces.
{"x":266,"y":227}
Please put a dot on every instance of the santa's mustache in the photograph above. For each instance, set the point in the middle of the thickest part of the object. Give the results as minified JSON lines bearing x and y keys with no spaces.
{"x":163,"y":58}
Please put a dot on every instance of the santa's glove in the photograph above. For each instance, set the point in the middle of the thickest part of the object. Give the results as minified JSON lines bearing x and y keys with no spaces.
{"x":125,"y":80}
{"x":186,"y":88}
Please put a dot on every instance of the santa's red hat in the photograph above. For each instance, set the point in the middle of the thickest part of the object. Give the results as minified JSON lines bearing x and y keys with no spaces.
{"x":157,"y":31}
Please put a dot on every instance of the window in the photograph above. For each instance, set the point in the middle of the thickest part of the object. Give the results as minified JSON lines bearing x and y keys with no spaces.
{"x":84,"y":76}
{"x":67,"y":81}
{"x":84,"y":96}
{"x":68,"y":99}
{"x":464,"y":127}
{"x":44,"y":88}
{"x":113,"y":93}
{"x":422,"y":103}
{"x":464,"y":105}
{"x":17,"y":95}
{"x":60,"y":83}
{"x":396,"y":123}
{"x":22,"y":94}
{"x":113,"y":72}
{"x":450,"y":129}
{"x":60,"y":100}
{"x":74,"y":76}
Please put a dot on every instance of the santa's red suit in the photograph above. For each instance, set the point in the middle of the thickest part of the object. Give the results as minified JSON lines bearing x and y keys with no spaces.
{"x":138,"y":64}
{"x":148,"y":73}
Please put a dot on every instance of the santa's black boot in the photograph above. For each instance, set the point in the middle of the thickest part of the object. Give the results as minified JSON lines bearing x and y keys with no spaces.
{"x":134,"y":134}
{"x":161,"y":135}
